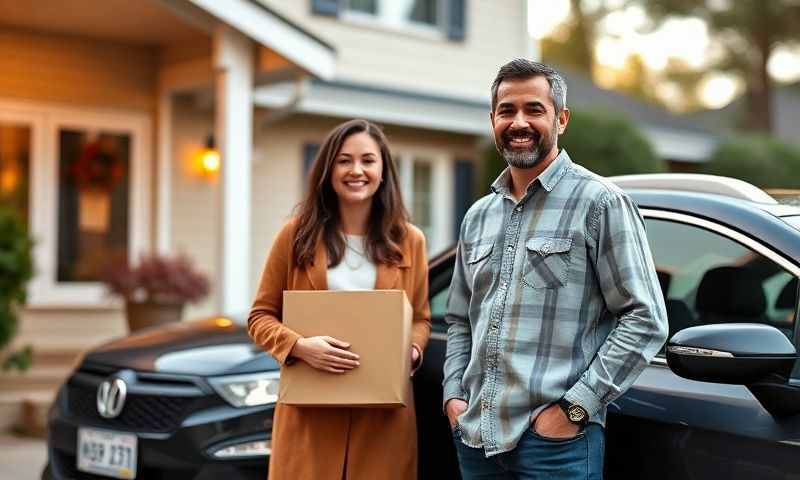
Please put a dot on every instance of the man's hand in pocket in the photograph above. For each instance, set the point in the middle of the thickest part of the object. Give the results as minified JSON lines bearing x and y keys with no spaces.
{"x":454,"y":407}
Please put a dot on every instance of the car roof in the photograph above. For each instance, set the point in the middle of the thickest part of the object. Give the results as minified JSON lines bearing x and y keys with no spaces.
{"x":760,"y":221}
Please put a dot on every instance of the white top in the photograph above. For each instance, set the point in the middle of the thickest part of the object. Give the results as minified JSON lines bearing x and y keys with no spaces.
{"x":355,"y":271}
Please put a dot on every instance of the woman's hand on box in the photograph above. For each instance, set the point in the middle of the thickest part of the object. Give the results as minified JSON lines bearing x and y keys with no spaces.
{"x":325,"y":353}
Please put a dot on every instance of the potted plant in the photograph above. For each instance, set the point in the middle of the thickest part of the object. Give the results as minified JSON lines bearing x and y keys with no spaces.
{"x":16,"y":268}
{"x":156,"y":290}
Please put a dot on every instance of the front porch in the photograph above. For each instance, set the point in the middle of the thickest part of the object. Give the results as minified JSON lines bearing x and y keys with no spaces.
{"x":117,"y":74}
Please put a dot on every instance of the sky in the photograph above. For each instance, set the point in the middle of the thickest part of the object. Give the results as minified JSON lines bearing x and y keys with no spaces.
{"x":685,"y":39}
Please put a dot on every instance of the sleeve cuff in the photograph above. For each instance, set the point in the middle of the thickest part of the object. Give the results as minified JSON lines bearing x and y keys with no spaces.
{"x":286,"y":358}
{"x":452,"y":391}
{"x":418,"y":363}
{"x":584,"y":396}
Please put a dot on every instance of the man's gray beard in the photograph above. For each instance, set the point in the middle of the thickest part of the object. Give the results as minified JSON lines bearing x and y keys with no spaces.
{"x":522,"y":158}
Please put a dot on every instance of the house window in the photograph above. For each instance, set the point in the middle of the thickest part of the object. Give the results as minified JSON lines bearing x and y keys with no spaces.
{"x":82,"y":179}
{"x":427,"y":187}
{"x":421,"y":204}
{"x":15,"y":153}
{"x":403,"y":14}
{"x":93,"y":205}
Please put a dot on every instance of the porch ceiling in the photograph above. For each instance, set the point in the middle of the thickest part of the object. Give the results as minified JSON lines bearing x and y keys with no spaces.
{"x":140,"y":22}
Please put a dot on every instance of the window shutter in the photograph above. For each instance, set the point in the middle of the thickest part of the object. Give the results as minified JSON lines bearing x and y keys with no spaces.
{"x":463,"y":192}
{"x":328,"y":8}
{"x":309,"y":154}
{"x":457,"y":20}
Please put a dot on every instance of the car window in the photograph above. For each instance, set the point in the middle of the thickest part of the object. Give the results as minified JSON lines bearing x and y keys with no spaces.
{"x":439,"y":286}
{"x":707,"y":278}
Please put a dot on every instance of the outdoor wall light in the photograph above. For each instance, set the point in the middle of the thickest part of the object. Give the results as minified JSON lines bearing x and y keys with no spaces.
{"x":209,"y":158}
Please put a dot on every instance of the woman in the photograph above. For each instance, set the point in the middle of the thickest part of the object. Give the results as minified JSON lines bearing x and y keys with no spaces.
{"x":351,"y":232}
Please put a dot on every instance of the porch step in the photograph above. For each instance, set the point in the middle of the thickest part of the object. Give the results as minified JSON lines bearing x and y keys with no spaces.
{"x":25,"y":411}
{"x":25,"y":397}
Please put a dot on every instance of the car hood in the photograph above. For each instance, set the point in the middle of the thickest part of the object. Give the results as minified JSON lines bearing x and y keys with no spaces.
{"x":213,"y":346}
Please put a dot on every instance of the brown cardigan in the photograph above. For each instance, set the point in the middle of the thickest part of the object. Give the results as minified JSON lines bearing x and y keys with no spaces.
{"x":336,"y":443}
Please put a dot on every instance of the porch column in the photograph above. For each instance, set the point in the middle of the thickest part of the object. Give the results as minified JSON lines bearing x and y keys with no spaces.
{"x":233,"y":64}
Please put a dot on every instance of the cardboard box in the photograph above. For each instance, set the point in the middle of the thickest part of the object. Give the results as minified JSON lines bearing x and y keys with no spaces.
{"x":376,"y":324}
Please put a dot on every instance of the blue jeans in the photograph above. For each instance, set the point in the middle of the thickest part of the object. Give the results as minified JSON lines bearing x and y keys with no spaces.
{"x":538,"y":458}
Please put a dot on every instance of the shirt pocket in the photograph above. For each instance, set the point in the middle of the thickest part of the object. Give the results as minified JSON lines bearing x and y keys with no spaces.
{"x":548,"y":262}
{"x":478,"y":263}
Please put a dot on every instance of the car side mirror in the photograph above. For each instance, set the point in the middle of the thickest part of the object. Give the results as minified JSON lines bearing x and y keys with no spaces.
{"x":755,"y":355}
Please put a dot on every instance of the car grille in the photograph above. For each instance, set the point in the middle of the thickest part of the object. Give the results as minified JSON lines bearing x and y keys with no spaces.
{"x":159,"y":410}
{"x":141,"y":413}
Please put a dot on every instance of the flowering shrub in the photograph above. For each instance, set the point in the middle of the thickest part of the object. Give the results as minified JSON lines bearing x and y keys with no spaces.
{"x":158,"y":279}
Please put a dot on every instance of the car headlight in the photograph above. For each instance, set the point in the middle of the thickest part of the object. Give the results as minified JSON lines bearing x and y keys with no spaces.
{"x":254,"y":448}
{"x":248,"y":390}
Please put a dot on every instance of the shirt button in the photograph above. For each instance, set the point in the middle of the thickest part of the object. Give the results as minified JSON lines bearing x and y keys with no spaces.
{"x":510,"y":247}
{"x":519,"y":209}
{"x":504,"y":285}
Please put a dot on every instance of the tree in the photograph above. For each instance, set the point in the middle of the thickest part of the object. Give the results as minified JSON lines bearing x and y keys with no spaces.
{"x":572,"y":44}
{"x":747,"y":32}
{"x":757,"y":159}
{"x":605,"y":143}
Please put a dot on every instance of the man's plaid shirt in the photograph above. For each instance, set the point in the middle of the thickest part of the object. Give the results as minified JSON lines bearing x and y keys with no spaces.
{"x":552,"y":296}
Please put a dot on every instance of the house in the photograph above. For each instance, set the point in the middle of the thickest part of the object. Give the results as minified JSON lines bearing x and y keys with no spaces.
{"x":679,"y":140}
{"x":106,"y":108}
{"x":785,"y":114}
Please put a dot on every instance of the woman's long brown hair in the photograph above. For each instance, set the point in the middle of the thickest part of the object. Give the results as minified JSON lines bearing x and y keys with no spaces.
{"x":318,"y":214}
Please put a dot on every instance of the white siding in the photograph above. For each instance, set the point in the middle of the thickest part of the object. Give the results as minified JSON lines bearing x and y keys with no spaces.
{"x":495,"y":33}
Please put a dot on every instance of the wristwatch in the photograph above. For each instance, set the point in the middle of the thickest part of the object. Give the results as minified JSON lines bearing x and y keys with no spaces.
{"x":574,"y":412}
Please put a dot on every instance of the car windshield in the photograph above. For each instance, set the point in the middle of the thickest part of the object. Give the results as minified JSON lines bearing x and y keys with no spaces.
{"x":794,"y":221}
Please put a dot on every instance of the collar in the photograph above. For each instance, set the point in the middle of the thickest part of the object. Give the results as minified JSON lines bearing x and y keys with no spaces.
{"x":549,"y":178}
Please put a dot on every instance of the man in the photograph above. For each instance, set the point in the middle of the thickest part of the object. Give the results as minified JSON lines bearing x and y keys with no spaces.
{"x":554,"y":308}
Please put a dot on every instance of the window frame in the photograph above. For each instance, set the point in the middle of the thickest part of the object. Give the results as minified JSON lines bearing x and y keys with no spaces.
{"x":433,"y":32}
{"x":441,"y":214}
{"x":730,"y":234}
{"x":46,"y":120}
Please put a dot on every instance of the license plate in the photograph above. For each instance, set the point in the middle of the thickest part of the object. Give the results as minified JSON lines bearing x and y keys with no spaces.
{"x":107,"y":453}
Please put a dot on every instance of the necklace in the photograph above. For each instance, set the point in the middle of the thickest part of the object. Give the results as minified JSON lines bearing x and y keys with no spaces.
{"x":359,"y":253}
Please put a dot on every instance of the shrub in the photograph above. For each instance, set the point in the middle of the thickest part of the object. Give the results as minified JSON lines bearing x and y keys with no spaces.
{"x":16,"y":268}
{"x":158,"y":279}
{"x":757,"y":159}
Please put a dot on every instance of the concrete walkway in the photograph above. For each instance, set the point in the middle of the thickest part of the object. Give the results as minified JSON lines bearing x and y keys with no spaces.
{"x":21,"y":458}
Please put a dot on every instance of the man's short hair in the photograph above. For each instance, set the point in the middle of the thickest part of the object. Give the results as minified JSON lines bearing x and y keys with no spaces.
{"x":523,"y":69}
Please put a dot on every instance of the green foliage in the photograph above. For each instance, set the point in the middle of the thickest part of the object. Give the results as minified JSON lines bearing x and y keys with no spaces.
{"x":605,"y":143}
{"x":16,"y":268}
{"x":20,"y":360}
{"x":757,"y":159}
{"x":608,"y":144}
{"x":744,"y":34}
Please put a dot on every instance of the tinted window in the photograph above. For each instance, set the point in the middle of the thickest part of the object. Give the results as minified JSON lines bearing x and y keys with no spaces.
{"x":439,"y":286}
{"x":707,"y":278}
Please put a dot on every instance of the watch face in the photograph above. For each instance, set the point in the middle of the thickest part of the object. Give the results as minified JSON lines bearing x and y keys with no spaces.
{"x":576,"y":413}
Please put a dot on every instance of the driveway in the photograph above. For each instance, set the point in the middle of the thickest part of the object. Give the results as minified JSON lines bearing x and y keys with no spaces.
{"x":21,"y":458}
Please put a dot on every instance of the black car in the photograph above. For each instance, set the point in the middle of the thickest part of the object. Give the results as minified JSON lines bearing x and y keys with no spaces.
{"x":198,"y":397}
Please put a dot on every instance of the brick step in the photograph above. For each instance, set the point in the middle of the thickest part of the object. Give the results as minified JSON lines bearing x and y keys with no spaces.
{"x":37,"y":377}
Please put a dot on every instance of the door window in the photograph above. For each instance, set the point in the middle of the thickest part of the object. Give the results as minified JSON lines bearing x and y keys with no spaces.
{"x":15,"y":158}
{"x":707,"y":278}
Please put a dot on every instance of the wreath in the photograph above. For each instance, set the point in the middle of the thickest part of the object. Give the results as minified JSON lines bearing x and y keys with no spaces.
{"x":97,"y":168}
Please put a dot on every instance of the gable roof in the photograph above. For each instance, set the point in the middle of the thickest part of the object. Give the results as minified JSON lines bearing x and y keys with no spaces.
{"x":267,"y":27}
{"x":674,"y":137}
